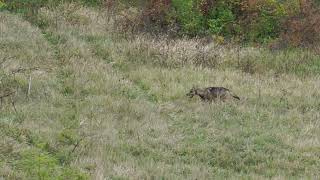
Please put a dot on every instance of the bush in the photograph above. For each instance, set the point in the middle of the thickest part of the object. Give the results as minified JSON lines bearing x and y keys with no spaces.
{"x":267,"y":23}
{"x":303,"y":30}
{"x":2,"y":5}
{"x":220,"y":20}
{"x":247,"y":20}
{"x":189,"y":17}
{"x":257,"y":21}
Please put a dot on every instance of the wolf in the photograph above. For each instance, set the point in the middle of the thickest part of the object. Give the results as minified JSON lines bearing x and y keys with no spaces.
{"x":212,"y":93}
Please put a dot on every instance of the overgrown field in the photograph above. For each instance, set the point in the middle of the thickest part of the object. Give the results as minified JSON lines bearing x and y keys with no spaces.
{"x":90,"y":102}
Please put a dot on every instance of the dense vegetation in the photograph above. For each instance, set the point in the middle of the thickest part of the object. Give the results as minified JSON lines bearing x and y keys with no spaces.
{"x":96,"y":90}
{"x":271,"y":21}
{"x":294,"y":21}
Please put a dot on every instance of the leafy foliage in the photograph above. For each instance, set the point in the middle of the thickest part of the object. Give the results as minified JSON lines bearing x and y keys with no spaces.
{"x":190,"y":19}
{"x":249,"y":20}
{"x":245,"y":20}
{"x":303,"y":30}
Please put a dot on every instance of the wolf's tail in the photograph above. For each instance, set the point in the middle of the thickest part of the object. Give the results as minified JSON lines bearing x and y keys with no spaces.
{"x":236,"y":97}
{"x":233,"y":95}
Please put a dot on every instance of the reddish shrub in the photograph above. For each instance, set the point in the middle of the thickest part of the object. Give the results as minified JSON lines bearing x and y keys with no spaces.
{"x":155,"y":11}
{"x":206,"y":6}
{"x":304,"y":29}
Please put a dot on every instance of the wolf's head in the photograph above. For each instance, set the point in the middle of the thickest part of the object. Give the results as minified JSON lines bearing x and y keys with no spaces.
{"x":192,"y":92}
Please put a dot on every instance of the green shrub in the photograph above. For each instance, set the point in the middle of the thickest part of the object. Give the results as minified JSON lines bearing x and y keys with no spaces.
{"x":259,"y":22}
{"x":267,"y":24}
{"x":220,"y":19}
{"x":189,"y":17}
{"x":2,"y":5}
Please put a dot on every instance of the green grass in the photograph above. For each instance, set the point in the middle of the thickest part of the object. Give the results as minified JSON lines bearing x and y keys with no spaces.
{"x":105,"y":107}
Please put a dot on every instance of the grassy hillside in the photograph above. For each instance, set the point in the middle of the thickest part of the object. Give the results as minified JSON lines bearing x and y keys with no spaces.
{"x":92,"y":103}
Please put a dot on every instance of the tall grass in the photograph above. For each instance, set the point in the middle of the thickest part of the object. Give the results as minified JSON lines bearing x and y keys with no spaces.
{"x":102,"y":106}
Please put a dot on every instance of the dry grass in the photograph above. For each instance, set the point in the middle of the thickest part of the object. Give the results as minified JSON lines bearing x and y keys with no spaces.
{"x":115,"y":108}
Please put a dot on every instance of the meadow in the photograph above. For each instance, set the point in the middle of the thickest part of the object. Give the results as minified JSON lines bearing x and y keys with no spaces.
{"x":93,"y":102}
